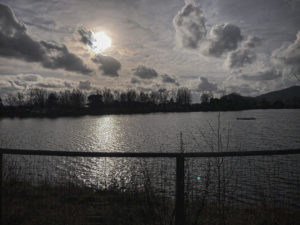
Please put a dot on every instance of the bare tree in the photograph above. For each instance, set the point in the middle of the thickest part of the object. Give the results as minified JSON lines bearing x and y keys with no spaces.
{"x":163,"y":96}
{"x":20,"y":98}
{"x":206,"y":97}
{"x":37,"y":97}
{"x":11,"y":100}
{"x":184,"y":96}
{"x":107,"y":96}
{"x":77,"y":99}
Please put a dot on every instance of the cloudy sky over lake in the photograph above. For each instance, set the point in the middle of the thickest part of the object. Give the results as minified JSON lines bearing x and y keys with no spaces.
{"x":223,"y":46}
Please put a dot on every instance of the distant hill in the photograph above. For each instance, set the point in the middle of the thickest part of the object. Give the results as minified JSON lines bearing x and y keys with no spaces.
{"x":236,"y":97}
{"x":286,"y":96}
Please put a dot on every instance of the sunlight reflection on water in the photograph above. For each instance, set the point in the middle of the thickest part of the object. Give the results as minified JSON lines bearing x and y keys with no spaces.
{"x":272,"y":129}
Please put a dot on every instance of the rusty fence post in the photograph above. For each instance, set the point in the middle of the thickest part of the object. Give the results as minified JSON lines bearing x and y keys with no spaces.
{"x":179,"y":200}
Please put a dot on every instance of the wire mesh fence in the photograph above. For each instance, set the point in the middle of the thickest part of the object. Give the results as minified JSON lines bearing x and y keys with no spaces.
{"x":48,"y":189}
{"x":243,"y":190}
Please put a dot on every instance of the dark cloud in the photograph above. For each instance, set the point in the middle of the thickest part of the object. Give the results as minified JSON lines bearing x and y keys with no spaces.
{"x":288,"y":57}
{"x":205,"y":85}
{"x":144,"y":72}
{"x":240,"y":57}
{"x":108,"y":65}
{"x":9,"y":24}
{"x":190,"y":27}
{"x":266,"y":75}
{"x":168,"y":79}
{"x":224,"y":38}
{"x":60,"y":57}
{"x":135,"y":81}
{"x":86,"y":36}
{"x":85,"y":85}
{"x":16,"y":43}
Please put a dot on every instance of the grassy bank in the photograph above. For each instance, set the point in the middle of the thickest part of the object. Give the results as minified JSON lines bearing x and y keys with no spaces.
{"x":70,"y":204}
{"x":44,"y":204}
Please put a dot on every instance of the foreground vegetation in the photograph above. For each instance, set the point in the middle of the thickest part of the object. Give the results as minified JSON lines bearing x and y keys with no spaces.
{"x":27,"y":204}
{"x":141,"y":201}
{"x":39,"y":102}
{"x":44,"y":204}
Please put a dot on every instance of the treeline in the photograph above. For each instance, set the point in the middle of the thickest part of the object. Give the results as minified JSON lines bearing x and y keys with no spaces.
{"x":41,"y":102}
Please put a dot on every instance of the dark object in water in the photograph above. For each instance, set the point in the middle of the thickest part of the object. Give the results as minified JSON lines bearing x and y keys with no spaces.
{"x":246,"y":118}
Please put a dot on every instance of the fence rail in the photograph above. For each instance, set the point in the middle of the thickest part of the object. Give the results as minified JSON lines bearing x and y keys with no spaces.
{"x":149,"y":154}
{"x":180,"y":165}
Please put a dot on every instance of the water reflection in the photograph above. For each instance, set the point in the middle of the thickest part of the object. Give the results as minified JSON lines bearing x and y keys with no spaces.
{"x":106,"y":131}
{"x":152,"y":132}
{"x":272,"y":129}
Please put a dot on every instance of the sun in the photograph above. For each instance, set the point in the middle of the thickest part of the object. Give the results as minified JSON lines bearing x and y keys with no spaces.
{"x":100,"y":41}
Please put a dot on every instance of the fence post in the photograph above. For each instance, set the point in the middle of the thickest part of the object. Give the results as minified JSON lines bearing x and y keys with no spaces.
{"x":179,"y":201}
{"x":1,"y":155}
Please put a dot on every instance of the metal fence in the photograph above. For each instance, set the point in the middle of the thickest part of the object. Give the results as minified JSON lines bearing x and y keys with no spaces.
{"x":63,"y":187}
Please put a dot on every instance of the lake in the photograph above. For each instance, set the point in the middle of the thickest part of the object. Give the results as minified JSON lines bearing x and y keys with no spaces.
{"x":272,"y":129}
{"x":246,"y":178}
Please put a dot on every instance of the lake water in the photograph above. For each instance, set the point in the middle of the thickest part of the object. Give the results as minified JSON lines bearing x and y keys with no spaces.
{"x":272,"y":129}
{"x":251,"y":177}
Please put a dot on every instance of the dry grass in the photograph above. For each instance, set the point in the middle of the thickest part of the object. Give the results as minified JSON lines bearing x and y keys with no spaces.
{"x":44,"y":204}
{"x":26,"y":204}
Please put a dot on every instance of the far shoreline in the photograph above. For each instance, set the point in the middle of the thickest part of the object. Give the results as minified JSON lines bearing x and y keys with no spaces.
{"x":86,"y":112}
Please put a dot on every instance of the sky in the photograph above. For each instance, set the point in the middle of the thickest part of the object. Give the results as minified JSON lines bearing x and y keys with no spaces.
{"x":219,"y":46}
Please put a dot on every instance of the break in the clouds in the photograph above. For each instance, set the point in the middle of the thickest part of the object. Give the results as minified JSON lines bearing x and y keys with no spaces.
{"x":108,"y":65}
{"x":144,"y":72}
{"x":15,"y":42}
{"x":205,"y":85}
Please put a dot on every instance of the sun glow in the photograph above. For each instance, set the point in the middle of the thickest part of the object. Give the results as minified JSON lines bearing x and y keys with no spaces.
{"x":100,"y":42}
